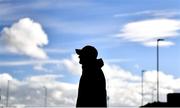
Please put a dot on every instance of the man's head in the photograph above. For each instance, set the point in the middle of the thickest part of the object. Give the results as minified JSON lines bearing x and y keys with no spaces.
{"x":87,"y":53}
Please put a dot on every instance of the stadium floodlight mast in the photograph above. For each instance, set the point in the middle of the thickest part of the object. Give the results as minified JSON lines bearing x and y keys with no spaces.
{"x":0,"y":96}
{"x":45,"y":96}
{"x":142,"y":86}
{"x":158,"y":40}
{"x":7,"y":94}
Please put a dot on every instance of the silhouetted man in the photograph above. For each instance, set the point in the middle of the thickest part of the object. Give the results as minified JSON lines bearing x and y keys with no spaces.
{"x":92,"y":85}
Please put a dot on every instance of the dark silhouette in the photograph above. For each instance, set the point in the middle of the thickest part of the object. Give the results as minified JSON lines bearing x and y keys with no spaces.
{"x":172,"y":101}
{"x":92,"y":85}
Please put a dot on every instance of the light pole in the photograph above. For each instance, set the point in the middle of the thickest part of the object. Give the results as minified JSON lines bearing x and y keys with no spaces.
{"x":0,"y":96}
{"x":108,"y":94}
{"x":45,"y":96}
{"x":158,"y":68}
{"x":108,"y":101}
{"x":142,"y":87}
{"x":7,"y":95}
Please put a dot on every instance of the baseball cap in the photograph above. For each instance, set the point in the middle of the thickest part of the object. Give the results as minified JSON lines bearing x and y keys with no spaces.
{"x":87,"y":51}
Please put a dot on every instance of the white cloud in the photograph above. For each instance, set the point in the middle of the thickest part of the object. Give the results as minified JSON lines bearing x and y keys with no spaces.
{"x":154,"y":13}
{"x":30,"y":62}
{"x":114,"y":71}
{"x":147,"y":31}
{"x":25,"y":37}
{"x":4,"y":80}
{"x":41,"y":68}
{"x":30,"y":91}
{"x":73,"y":64}
{"x":123,"y":87}
{"x":162,"y":43}
{"x":56,"y":50}
{"x":122,"y":90}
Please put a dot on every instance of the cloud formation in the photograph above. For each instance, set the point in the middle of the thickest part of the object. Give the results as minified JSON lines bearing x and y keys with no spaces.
{"x":72,"y":65}
{"x":147,"y":31}
{"x":123,"y":87}
{"x":25,"y":37}
{"x":153,"y":13}
{"x":30,"y":91}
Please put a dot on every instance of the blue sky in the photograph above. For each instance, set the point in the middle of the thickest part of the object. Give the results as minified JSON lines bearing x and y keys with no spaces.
{"x":120,"y":29}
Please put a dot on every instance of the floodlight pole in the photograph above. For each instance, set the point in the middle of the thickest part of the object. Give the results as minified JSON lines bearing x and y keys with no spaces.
{"x":7,"y":95}
{"x":158,"y":68}
{"x":0,"y":95}
{"x":142,"y":86}
{"x":45,"y":96}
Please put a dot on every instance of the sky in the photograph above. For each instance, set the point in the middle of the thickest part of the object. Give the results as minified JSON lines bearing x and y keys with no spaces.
{"x":38,"y":39}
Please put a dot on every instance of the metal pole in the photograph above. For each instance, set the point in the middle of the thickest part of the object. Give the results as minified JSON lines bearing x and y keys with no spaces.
{"x":7,"y":95}
{"x":0,"y":95}
{"x":108,"y":94}
{"x":158,"y":70}
{"x":45,"y":96}
{"x":1,"y":98}
{"x":108,"y":101}
{"x":142,"y":88}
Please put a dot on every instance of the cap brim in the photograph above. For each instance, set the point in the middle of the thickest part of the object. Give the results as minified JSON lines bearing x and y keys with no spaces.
{"x":78,"y":51}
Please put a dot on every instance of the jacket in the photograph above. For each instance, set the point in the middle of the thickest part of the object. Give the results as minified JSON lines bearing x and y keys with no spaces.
{"x":92,"y":86}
